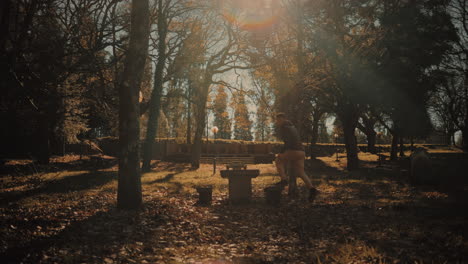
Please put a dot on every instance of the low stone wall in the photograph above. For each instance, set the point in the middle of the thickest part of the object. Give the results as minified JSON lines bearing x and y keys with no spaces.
{"x":164,"y":148}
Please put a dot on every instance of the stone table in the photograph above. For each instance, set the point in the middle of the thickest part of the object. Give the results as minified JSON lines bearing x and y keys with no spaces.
{"x":240,"y":184}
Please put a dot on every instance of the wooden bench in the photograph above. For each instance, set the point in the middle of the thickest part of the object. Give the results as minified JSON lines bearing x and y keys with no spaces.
{"x":223,"y":160}
{"x":240,"y":182}
{"x":236,"y":166}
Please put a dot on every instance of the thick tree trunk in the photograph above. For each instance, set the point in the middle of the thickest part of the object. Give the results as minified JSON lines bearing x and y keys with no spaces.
{"x":129,"y":185}
{"x":371,"y":139}
{"x":4,"y":22}
{"x":371,"y":136}
{"x":315,"y":127}
{"x":465,"y":139}
{"x":367,"y":127}
{"x":394,"y":148}
{"x":43,"y":150}
{"x":349,"y":119}
{"x":198,"y":140}
{"x":351,"y":146}
{"x":155,"y":102}
{"x":402,"y":147}
{"x":201,"y":122}
{"x":152,"y":127}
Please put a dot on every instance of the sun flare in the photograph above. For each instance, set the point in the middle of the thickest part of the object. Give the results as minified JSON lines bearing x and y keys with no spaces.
{"x":251,"y":15}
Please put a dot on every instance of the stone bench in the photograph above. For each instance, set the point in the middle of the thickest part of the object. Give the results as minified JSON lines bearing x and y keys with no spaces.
{"x":240,"y":182}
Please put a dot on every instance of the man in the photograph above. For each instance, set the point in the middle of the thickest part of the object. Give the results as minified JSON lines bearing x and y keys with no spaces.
{"x":292,"y":152}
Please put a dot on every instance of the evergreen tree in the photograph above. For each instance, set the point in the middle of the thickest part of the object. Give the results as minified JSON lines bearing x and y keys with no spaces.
{"x":242,"y":122}
{"x":221,"y":116}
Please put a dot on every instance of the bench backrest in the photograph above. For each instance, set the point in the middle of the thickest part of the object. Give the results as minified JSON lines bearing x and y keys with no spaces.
{"x":229,"y":160}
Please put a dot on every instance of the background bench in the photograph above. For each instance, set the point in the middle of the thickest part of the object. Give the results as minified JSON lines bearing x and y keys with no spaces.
{"x":223,"y":160}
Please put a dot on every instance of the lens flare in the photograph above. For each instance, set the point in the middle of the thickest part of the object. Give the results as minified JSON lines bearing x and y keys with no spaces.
{"x":254,"y":19}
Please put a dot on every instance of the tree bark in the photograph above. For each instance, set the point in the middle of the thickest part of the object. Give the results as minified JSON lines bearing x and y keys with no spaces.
{"x":129,"y":185}
{"x":155,"y":101}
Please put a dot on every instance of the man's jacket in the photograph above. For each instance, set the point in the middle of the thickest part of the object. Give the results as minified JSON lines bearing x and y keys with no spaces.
{"x":289,"y":135}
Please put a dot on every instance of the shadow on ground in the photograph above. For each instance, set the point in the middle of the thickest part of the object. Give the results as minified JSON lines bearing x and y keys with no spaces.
{"x":84,"y":181}
{"x":100,"y":238}
{"x":172,"y":166}
{"x":30,"y":167}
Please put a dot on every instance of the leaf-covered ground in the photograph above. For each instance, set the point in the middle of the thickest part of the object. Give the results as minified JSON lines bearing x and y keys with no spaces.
{"x":65,"y":213}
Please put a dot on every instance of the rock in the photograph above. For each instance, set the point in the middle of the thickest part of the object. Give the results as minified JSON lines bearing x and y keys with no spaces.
{"x":421,"y":168}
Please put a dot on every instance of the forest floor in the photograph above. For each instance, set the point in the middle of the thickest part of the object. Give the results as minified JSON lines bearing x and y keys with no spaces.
{"x":66,"y":213}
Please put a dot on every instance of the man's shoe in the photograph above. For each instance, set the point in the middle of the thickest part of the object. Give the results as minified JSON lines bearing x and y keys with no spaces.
{"x":312,"y":194}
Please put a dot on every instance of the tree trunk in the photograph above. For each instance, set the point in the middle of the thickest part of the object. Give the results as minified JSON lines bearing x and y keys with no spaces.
{"x":367,"y":127}
{"x":43,"y":150}
{"x":465,"y":138}
{"x":394,"y":148}
{"x":351,"y":146}
{"x":4,"y":22}
{"x":371,"y":139}
{"x":198,"y":140}
{"x":129,"y":185}
{"x":315,"y":127}
{"x":402,"y":147}
{"x":371,"y":136}
{"x":200,"y":121}
{"x":349,"y":116}
{"x":155,"y":102}
{"x":189,"y":113}
{"x":152,"y":127}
